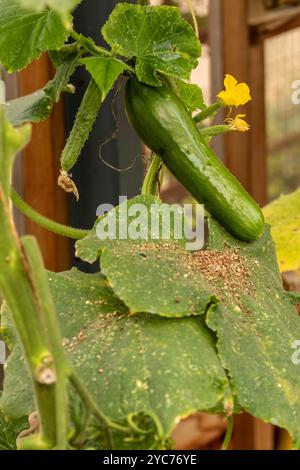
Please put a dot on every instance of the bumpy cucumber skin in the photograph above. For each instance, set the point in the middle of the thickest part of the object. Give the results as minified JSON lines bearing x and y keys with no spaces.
{"x":166,"y":127}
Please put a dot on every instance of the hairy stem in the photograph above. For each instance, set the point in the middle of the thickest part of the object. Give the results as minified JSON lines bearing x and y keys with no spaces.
{"x":151,"y":181}
{"x":87,"y":45}
{"x":208,"y":112}
{"x":193,"y":17}
{"x":228,"y":434}
{"x":62,"y":367}
{"x":43,"y":221}
{"x":214,"y":130}
{"x":22,"y":299}
{"x":91,"y":405}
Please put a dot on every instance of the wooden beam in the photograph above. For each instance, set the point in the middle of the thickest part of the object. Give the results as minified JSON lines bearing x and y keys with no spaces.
{"x":246,"y":156}
{"x":252,"y":434}
{"x":41,"y":169}
{"x":215,"y":19}
{"x":257,"y":152}
{"x":236,"y":62}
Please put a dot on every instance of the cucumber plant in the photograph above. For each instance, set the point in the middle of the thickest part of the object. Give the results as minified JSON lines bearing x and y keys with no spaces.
{"x":115,"y":360}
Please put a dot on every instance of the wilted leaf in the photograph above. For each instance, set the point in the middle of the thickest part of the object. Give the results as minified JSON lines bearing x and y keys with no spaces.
{"x":143,"y":364}
{"x":284,"y":217}
{"x":158,"y":37}
{"x":25,"y":34}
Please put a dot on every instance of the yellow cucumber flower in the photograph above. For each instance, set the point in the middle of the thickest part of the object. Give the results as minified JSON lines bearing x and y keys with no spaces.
{"x":235,"y":94}
{"x":238,"y":123}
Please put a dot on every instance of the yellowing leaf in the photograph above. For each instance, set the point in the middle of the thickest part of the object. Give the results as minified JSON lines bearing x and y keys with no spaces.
{"x":284,"y":217}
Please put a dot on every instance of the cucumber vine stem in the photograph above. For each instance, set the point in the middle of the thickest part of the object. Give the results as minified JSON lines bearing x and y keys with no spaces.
{"x":151,"y":181}
{"x":228,"y":434}
{"x":62,"y":367}
{"x":214,"y":130}
{"x":91,"y":406}
{"x":48,"y":224}
{"x":208,"y":112}
{"x":83,"y":41}
{"x":193,"y":17}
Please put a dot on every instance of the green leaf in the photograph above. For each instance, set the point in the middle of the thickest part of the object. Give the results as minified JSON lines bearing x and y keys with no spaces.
{"x":161,"y":280}
{"x":38,"y":106}
{"x":256,"y":321}
{"x":165,"y":368}
{"x":25,"y":34}
{"x":284,"y":217}
{"x":105,"y":71}
{"x":191,"y":95}
{"x":89,"y":248}
{"x":256,"y":329}
{"x":158,"y":37}
{"x":11,"y":141}
{"x":9,"y":431}
{"x":64,"y":7}
{"x":35,"y":107}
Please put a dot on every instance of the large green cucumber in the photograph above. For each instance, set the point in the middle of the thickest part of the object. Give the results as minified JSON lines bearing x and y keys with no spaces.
{"x":166,"y":127}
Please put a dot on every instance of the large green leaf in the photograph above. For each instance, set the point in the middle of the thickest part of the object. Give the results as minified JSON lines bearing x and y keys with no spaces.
{"x":257,"y":329}
{"x":105,"y":71}
{"x":64,"y":7}
{"x":256,"y":321}
{"x":89,"y":248}
{"x":158,"y":37}
{"x":157,"y":279}
{"x":153,"y":277}
{"x":284,"y":217}
{"x":166,"y":368}
{"x":25,"y":34}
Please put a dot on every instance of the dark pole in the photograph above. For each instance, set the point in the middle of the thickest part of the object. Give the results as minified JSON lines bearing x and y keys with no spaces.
{"x":97,"y":183}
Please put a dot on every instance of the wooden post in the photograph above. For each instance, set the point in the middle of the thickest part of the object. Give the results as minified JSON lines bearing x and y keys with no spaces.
{"x":258,"y":152}
{"x":236,"y":62}
{"x":41,"y":169}
{"x":244,"y":154}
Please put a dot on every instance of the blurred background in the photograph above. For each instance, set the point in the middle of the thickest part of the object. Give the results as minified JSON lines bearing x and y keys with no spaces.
{"x":257,"y":41}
